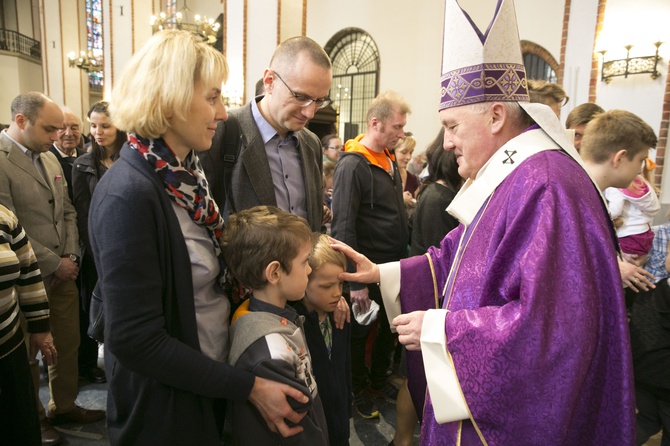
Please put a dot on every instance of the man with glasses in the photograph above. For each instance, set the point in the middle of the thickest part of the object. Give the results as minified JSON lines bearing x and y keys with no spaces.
{"x":276,"y":161}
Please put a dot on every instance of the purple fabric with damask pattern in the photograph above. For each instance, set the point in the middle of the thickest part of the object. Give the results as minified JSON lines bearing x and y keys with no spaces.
{"x":537,"y":329}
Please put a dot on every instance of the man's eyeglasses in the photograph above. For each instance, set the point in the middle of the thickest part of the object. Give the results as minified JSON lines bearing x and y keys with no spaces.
{"x":336,"y":147}
{"x":302,"y":99}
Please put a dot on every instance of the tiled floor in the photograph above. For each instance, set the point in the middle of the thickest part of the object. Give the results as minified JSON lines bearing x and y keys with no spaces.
{"x":363,"y":432}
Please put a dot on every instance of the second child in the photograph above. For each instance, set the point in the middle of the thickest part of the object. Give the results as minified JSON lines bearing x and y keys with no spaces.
{"x":267,"y":250}
{"x":328,"y":346}
{"x":614,"y":146}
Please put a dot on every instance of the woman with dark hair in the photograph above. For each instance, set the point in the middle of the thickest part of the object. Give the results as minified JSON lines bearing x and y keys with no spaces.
{"x":331,"y":146}
{"x":431,"y":220}
{"x":106,"y":143}
{"x":106,"y":139}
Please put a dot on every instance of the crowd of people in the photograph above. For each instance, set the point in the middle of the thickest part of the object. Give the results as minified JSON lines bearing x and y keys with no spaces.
{"x":248,"y":268}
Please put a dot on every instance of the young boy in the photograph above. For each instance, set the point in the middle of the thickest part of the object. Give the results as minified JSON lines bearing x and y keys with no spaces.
{"x":614,"y":146}
{"x":328,"y":346}
{"x":267,"y":250}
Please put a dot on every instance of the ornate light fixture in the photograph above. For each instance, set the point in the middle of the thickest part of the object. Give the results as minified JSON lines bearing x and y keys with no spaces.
{"x":85,"y":61}
{"x":630,"y":65}
{"x":203,"y":27}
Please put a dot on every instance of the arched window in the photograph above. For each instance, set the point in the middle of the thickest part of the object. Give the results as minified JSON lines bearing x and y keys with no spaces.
{"x":355,"y":84}
{"x":539,"y":63}
{"x":94,"y":41}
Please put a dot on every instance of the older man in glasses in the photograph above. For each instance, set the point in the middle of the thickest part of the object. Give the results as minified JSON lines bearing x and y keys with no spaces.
{"x":263,"y":154}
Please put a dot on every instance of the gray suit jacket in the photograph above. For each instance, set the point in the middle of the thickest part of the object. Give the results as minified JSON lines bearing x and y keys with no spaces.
{"x":251,"y":181}
{"x":42,"y":206}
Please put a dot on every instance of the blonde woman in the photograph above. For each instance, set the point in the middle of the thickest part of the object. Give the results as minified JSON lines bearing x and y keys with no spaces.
{"x":154,"y":231}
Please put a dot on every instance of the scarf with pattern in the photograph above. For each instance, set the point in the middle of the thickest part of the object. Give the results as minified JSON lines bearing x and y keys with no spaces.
{"x":185,"y":184}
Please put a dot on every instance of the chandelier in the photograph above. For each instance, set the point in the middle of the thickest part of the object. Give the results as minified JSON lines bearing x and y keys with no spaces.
{"x":85,"y":61}
{"x":203,"y":27}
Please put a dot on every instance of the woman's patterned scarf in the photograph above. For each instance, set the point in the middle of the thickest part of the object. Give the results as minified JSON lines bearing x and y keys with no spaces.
{"x":185,"y":184}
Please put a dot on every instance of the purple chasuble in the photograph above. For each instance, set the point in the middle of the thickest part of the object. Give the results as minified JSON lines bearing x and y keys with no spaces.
{"x":537,"y":327}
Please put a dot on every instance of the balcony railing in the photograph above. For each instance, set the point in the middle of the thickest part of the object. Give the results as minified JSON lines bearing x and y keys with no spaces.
{"x":18,"y":43}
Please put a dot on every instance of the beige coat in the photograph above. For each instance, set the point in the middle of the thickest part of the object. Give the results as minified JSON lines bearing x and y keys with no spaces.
{"x":42,"y":206}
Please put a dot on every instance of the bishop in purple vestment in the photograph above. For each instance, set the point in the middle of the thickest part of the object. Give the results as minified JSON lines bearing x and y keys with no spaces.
{"x":519,"y":315}
{"x":536,"y":327}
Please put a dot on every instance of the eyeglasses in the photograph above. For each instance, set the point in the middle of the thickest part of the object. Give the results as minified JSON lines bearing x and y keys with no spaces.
{"x":303,"y":100}
{"x":336,"y":147}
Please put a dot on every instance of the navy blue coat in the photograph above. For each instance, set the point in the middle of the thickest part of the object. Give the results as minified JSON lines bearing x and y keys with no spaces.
{"x":161,"y":387}
{"x":333,"y":375}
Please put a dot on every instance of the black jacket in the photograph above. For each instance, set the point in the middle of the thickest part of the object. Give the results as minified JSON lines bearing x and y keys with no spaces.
{"x":84,"y":180}
{"x":270,"y":342}
{"x":333,"y":375}
{"x":251,"y":178}
{"x":66,"y":165}
{"x":368,"y":209}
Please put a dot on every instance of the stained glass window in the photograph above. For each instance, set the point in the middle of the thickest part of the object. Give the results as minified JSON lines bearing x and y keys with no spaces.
{"x":171,"y":7}
{"x":94,"y":40}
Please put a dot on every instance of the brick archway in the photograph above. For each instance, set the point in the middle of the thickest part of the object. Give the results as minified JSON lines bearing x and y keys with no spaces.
{"x":528,"y":47}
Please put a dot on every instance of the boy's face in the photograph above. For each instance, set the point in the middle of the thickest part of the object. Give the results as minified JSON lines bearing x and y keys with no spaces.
{"x":292,"y":286}
{"x":324,"y":289}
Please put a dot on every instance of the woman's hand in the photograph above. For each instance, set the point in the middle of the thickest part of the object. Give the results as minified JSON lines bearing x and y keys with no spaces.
{"x":269,"y":397}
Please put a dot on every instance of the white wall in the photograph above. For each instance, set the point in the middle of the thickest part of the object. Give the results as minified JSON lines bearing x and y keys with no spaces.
{"x":542,"y":22}
{"x":261,"y":40}
{"x":234,"y":52}
{"x":10,"y":16}
{"x":410,"y":56}
{"x":578,"y":53}
{"x":629,"y":23}
{"x":17,"y":74}
{"x":624,"y":23}
{"x":637,"y":23}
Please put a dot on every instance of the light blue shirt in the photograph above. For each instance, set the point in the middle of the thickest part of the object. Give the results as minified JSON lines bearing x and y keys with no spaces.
{"x":285,"y":166}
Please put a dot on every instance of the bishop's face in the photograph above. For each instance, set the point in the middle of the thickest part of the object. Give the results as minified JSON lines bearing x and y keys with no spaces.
{"x":467,"y":132}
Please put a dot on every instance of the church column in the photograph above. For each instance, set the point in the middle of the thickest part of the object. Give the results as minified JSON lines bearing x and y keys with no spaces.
{"x":249,"y":45}
{"x":63,"y":30}
{"x":126,"y":27}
